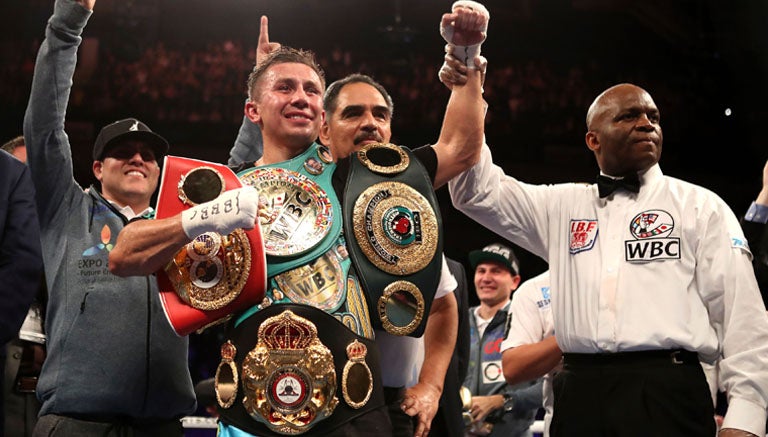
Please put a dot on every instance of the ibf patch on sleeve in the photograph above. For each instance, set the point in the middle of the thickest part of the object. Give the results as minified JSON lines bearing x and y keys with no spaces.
{"x":583,"y":235}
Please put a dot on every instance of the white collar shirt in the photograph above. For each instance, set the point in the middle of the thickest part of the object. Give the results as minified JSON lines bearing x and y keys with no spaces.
{"x":664,"y":268}
{"x":531,"y":322}
{"x":127,"y":211}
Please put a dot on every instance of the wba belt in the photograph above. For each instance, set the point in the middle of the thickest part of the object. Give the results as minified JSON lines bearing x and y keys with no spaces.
{"x":391,"y":210}
{"x":214,"y":275}
{"x":304,"y":372}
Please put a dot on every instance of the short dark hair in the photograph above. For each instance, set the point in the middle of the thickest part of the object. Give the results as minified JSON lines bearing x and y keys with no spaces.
{"x":11,"y":145}
{"x":331,"y":97}
{"x":284,"y":55}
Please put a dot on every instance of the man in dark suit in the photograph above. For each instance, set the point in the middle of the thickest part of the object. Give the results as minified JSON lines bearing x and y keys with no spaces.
{"x":756,"y":232}
{"x":20,"y":258}
{"x":448,"y":421}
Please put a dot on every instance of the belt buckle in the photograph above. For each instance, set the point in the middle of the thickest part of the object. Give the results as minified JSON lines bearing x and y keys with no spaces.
{"x":675,"y":359}
{"x":26,"y":384}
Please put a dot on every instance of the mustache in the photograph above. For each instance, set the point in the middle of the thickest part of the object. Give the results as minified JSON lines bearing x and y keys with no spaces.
{"x":368,"y":136}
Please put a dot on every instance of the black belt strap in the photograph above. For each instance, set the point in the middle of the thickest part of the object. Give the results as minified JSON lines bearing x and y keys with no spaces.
{"x":633,"y":358}
{"x":334,"y":335}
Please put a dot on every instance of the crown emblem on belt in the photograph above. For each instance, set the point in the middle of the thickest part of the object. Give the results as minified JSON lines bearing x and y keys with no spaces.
{"x":289,"y":379}
{"x":287,"y":332}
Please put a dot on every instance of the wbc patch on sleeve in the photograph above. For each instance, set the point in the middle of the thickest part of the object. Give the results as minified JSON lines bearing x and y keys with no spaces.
{"x":583,"y":235}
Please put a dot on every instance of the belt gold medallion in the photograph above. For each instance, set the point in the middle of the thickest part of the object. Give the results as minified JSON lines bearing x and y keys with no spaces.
{"x":289,"y":379}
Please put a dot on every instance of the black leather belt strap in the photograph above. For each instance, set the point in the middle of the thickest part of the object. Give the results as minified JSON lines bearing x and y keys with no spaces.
{"x":634,"y":358}
{"x":335,"y":336}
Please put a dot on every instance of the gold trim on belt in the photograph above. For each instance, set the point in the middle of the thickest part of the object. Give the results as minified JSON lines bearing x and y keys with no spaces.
{"x":211,"y":270}
{"x":395,"y":227}
{"x":289,"y":379}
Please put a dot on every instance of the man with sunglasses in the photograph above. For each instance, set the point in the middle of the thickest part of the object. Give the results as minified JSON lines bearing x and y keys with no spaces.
{"x":114,"y":365}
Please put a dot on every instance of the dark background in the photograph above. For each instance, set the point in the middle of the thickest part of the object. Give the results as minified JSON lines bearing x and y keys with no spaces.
{"x":547,"y":60}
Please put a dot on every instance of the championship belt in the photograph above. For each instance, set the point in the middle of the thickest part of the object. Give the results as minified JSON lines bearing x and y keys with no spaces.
{"x":391,"y":210}
{"x":299,"y":213}
{"x":214,"y":275}
{"x":303,"y":371}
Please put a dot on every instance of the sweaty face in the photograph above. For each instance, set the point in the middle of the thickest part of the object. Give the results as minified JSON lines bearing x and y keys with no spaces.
{"x":494,"y":283}
{"x":288,"y":105}
{"x":361,"y":116}
{"x":128,"y":173}
{"x":625,"y":132}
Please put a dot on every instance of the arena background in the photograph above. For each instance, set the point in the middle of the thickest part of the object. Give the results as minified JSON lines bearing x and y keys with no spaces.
{"x":181,"y":66}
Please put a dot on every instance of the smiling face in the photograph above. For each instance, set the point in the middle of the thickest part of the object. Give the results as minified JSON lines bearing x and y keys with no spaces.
{"x":360,"y":116}
{"x":494,"y":283}
{"x":624,"y":130}
{"x":287,"y":104}
{"x":128,"y":174}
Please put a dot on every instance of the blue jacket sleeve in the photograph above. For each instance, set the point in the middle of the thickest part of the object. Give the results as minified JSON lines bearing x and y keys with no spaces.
{"x":526,"y":397}
{"x":20,"y":255}
{"x":48,"y":151}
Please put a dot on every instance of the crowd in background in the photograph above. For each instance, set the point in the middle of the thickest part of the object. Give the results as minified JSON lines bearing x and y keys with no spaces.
{"x":533,"y":97}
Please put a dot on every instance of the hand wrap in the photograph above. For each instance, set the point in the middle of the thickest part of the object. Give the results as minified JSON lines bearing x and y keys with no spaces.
{"x":231,"y":210}
{"x":466,"y":53}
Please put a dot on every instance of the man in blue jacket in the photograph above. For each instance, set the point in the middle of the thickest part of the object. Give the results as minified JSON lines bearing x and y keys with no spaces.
{"x":114,"y":365}
{"x":20,"y":259}
{"x":498,"y":409}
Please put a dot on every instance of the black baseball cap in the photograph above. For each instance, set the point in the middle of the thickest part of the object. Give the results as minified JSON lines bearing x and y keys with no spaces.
{"x":498,"y":253}
{"x":129,"y":128}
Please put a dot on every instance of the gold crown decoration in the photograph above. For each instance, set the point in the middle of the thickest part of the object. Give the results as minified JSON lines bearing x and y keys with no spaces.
{"x":227,"y":379}
{"x":287,"y":331}
{"x":228,"y":351}
{"x":356,"y":351}
{"x":356,"y":378}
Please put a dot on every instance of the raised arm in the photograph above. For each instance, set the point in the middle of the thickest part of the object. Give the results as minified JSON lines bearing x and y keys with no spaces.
{"x":762,"y":197}
{"x":461,"y":135}
{"x":48,"y":151}
{"x":249,"y":144}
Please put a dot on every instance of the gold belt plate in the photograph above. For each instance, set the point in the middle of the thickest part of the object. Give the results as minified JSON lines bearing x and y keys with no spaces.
{"x":211,"y":270}
{"x":395,"y":227}
{"x":288,"y":378}
{"x":319,"y":283}
{"x":294,"y":211}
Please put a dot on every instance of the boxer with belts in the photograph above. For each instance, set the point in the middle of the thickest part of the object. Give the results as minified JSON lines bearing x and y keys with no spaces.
{"x":287,"y":101}
{"x":358,"y":113}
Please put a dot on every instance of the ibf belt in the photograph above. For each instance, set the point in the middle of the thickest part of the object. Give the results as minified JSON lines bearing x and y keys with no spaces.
{"x":214,"y":275}
{"x":303,"y":371}
{"x":391,"y":209}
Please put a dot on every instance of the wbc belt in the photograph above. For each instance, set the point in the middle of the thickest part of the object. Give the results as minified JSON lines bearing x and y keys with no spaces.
{"x":299,"y":212}
{"x":214,"y":275}
{"x":391,"y":210}
{"x":303,"y":371}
